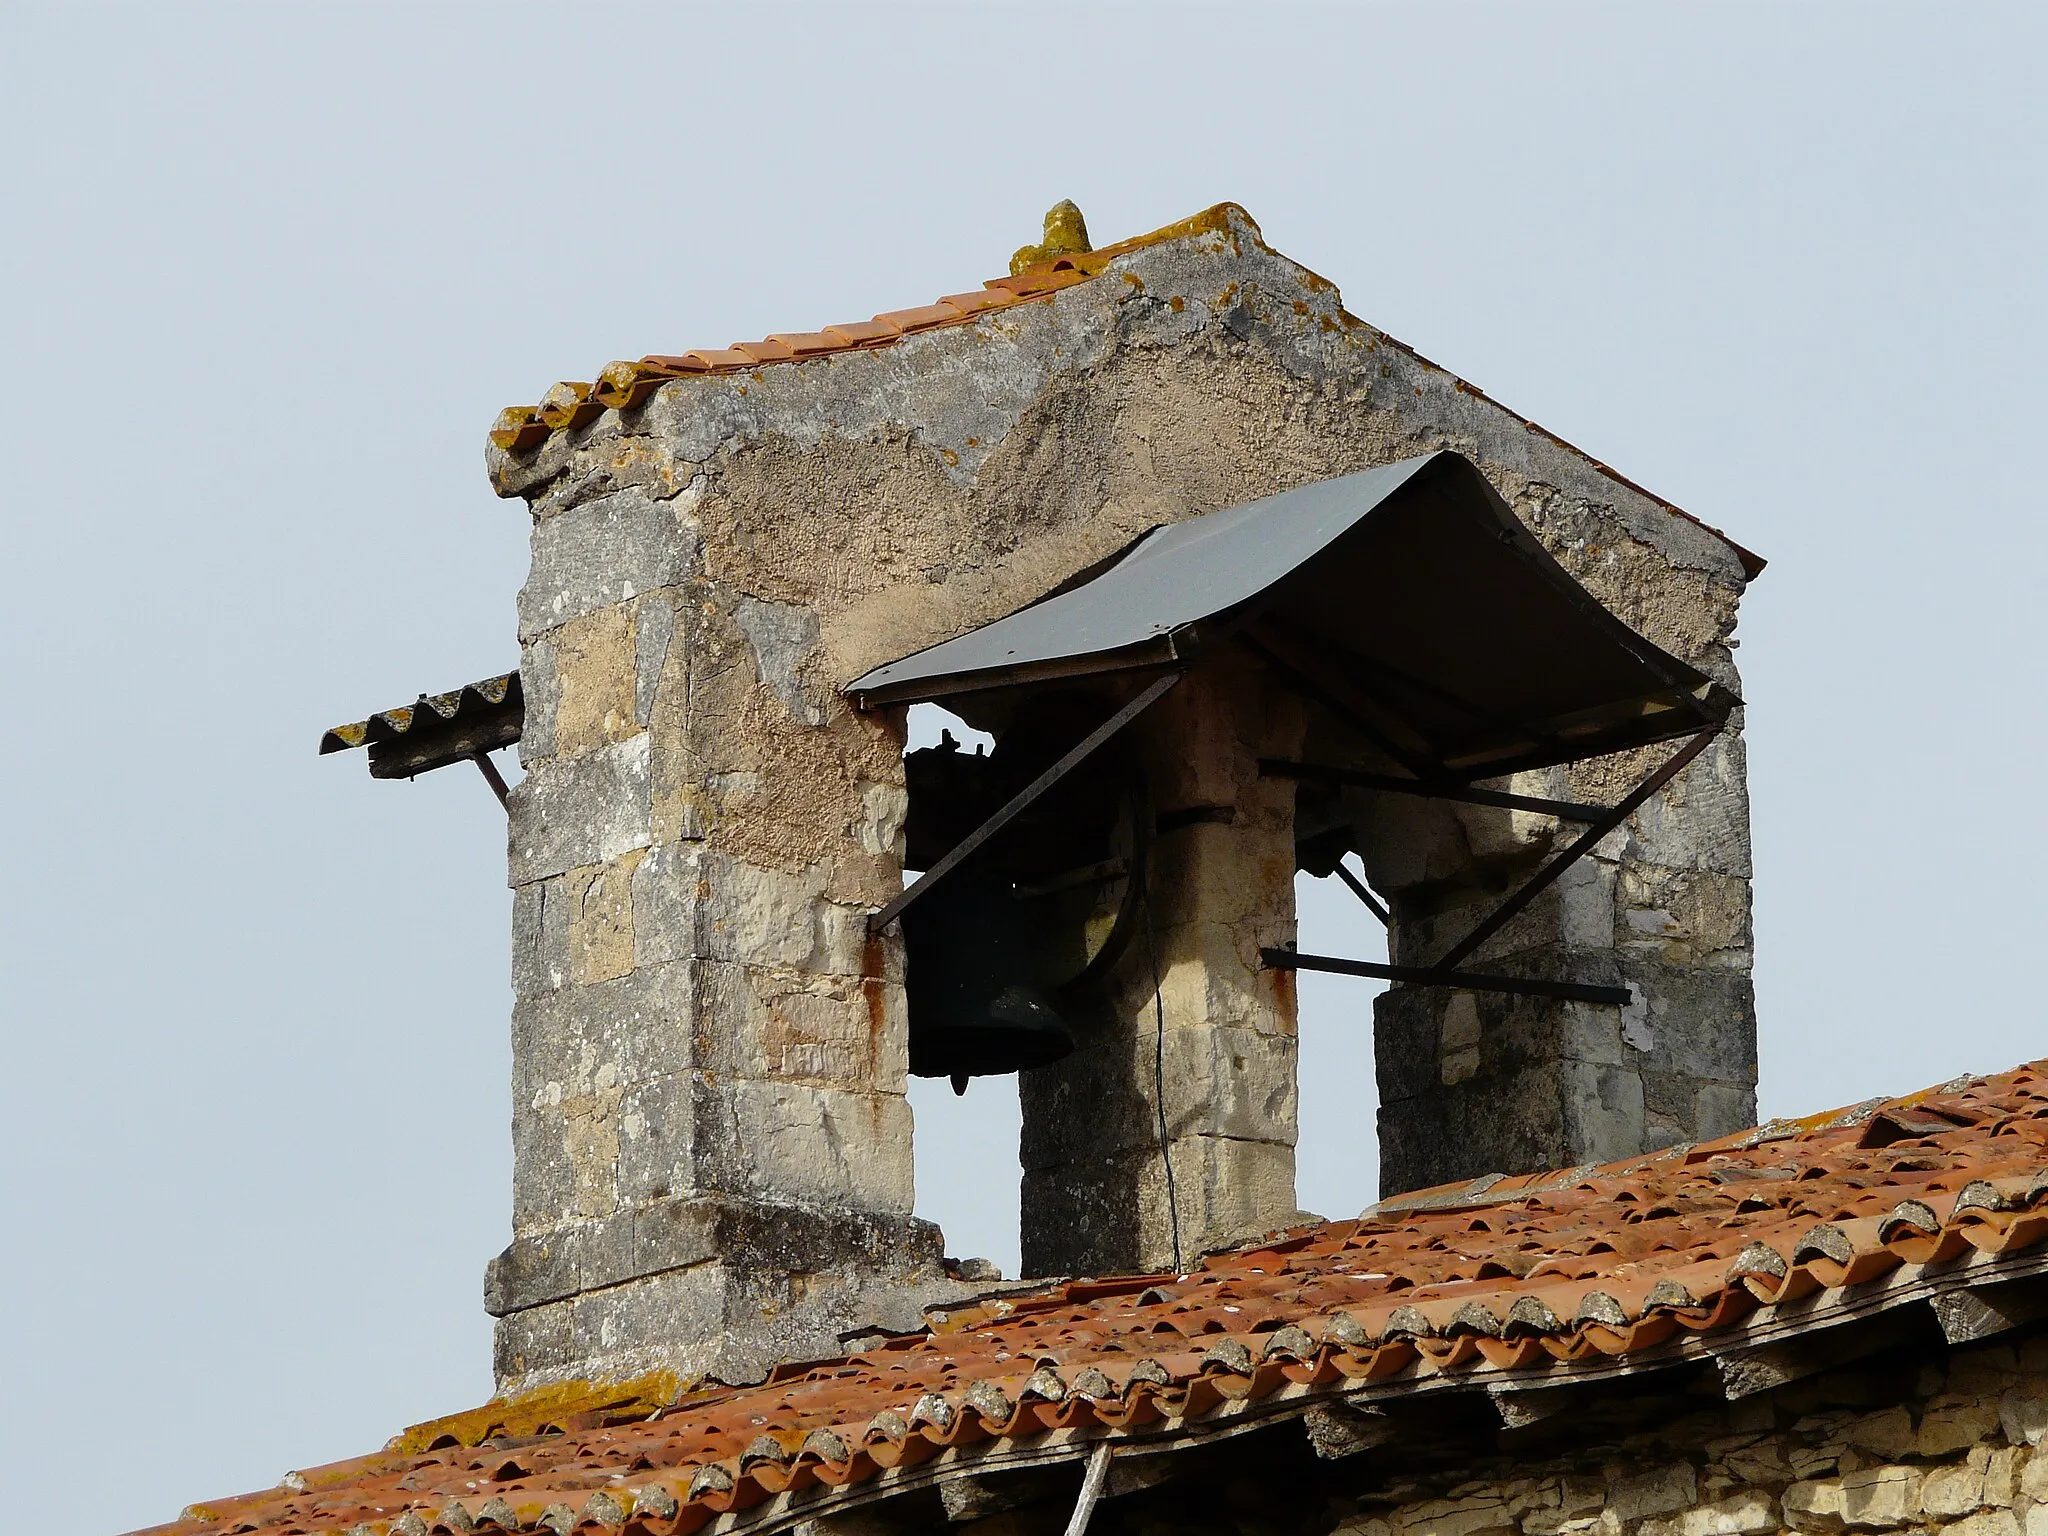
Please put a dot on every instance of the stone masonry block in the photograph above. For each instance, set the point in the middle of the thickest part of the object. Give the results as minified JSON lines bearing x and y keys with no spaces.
{"x":1229,"y":1081}
{"x":663,"y":1124}
{"x":1684,"y":917}
{"x":585,"y":811}
{"x":1691,"y":1022}
{"x":540,"y":938}
{"x":541,"y":686}
{"x":1226,"y":1081}
{"x":1484,"y":1125}
{"x":783,"y":637}
{"x":1701,"y":820}
{"x":595,"y":703}
{"x":1211,"y":972}
{"x":790,"y":1141}
{"x":833,"y":1030}
{"x":1951,"y":1424}
{"x":692,"y":900}
{"x":600,"y":908}
{"x":1749,"y":1513}
{"x":1880,"y":1498}
{"x":679,"y":1233}
{"x":1603,"y":1111}
{"x":2023,"y":1414}
{"x":669,"y":891}
{"x":583,"y":1039}
{"x":653,"y":632}
{"x":534,"y":1344}
{"x":773,"y":918}
{"x":1659,"y":1491}
{"x":1245,"y":1190}
{"x":606,"y":551}
{"x":543,"y":1174}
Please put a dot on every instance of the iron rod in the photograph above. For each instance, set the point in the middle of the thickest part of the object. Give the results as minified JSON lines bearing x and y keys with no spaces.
{"x":1364,"y":893}
{"x":1421,"y":976}
{"x":1076,"y":755}
{"x":492,"y":777}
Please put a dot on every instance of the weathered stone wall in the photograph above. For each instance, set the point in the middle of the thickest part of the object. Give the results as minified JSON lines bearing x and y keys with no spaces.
{"x":705,"y":1040}
{"x":1943,"y":1444}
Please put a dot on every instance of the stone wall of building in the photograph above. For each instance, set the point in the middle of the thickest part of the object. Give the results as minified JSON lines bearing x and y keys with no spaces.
{"x":1951,"y":1444}
{"x":709,"y":1048}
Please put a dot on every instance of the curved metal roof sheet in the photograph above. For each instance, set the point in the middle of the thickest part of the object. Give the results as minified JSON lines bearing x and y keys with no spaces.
{"x":1409,"y":599}
{"x":1173,"y":577}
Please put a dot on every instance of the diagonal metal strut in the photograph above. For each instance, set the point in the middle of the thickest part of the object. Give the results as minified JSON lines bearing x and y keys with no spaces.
{"x":1364,"y":893}
{"x":1021,"y":802}
{"x":1583,"y":844}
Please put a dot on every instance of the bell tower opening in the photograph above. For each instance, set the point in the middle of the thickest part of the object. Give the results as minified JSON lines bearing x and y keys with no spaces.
{"x":1005,"y":968}
{"x":1387,"y":667}
{"x":1337,"y":1168}
{"x":958,"y":1139}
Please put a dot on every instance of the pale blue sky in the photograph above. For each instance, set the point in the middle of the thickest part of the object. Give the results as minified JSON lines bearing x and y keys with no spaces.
{"x":271,"y":270}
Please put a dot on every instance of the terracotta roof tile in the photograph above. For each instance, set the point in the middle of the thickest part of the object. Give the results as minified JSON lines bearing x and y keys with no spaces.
{"x":624,"y":385}
{"x":1543,"y":1272}
{"x":520,"y":429}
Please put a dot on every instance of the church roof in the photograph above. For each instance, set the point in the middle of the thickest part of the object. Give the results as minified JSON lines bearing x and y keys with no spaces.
{"x":1498,"y":1285}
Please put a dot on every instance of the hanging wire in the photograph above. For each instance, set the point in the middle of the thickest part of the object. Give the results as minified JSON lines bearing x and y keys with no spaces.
{"x":1159,"y":1087}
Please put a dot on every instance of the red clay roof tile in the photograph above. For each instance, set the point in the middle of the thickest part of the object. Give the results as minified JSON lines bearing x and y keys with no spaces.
{"x":515,"y":432}
{"x":1491,"y":1276}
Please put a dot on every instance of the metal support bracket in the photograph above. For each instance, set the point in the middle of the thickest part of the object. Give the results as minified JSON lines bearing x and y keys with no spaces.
{"x":1022,"y":801}
{"x":1364,"y":893}
{"x":493,"y":778}
{"x":1445,"y":972}
{"x":1582,"y":845}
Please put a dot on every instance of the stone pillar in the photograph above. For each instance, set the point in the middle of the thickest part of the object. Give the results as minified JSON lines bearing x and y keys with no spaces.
{"x":1221,"y":887}
{"x":712,"y":1145}
{"x":1475,"y":1083}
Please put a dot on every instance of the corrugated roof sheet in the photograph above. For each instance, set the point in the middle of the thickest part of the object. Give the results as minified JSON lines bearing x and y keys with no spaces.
{"x":427,"y":712}
{"x":1657,"y":1258}
{"x":520,"y":429}
{"x":436,"y":729}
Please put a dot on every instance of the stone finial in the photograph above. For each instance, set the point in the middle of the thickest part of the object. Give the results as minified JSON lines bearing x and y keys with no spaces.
{"x":1066,"y":234}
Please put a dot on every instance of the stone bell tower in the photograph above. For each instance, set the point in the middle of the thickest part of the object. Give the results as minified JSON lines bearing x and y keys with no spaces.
{"x":711,"y":1035}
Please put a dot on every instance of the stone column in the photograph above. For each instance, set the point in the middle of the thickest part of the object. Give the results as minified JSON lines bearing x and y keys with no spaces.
{"x":1095,"y":1188}
{"x":712,"y":1144}
{"x":1475,"y":1083}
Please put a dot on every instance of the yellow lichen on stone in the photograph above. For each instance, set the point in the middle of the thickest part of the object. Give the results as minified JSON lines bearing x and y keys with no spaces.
{"x":1066,"y":234}
{"x":544,"y":1409}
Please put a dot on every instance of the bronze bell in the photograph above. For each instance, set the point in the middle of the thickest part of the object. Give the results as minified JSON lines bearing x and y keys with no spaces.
{"x":1018,"y":933}
{"x":975,"y":1010}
